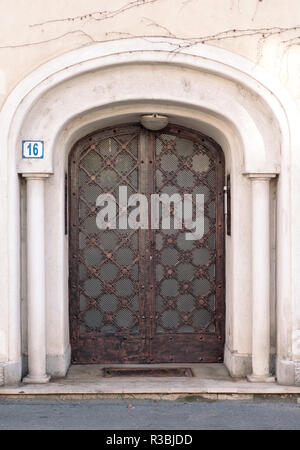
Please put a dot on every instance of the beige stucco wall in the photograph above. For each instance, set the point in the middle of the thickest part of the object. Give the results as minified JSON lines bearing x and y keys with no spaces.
{"x":264,"y":31}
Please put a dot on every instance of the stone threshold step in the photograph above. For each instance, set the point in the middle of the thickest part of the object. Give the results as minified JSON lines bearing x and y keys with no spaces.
{"x":186,"y":398}
{"x":148,"y":386}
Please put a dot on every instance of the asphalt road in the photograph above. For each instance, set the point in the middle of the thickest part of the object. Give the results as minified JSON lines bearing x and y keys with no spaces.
{"x":149,"y":415}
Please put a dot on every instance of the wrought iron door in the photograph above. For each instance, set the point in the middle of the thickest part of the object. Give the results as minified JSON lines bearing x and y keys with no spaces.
{"x":143,"y":295}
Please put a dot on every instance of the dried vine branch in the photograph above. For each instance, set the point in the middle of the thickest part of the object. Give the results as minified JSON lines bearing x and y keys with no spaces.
{"x":100,"y":15}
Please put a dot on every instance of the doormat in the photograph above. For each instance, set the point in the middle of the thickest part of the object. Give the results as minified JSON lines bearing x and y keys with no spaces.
{"x":147,"y":372}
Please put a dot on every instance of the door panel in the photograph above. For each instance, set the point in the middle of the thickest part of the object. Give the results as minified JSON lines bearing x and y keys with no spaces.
{"x":188,"y":319}
{"x":106,"y":302}
{"x":145,"y":296}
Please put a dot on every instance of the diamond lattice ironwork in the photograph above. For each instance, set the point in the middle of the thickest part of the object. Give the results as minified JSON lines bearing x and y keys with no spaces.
{"x":141,"y":296}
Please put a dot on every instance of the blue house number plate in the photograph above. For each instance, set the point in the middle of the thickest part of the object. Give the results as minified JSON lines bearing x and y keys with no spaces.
{"x":33,"y":149}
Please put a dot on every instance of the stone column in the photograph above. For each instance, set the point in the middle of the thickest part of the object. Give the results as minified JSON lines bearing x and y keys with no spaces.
{"x":261,"y":278}
{"x":36,"y":279}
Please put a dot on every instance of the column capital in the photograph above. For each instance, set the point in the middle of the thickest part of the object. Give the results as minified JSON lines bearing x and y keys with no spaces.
{"x":261,"y":176}
{"x":36,"y":176}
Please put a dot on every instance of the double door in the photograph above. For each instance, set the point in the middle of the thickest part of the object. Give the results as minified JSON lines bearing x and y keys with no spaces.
{"x":138,"y":294}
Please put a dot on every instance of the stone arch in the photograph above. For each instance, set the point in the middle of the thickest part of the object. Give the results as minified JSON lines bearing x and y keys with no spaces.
{"x":212,"y":90}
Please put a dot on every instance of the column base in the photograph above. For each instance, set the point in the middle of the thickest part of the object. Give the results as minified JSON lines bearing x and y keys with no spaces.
{"x":237,"y":364}
{"x":36,"y":380}
{"x":57,"y":365}
{"x":286,"y":372}
{"x":10,"y":373}
{"x":261,"y":378}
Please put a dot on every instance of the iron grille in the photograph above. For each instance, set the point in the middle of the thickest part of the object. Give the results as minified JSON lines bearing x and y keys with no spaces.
{"x":141,"y":296}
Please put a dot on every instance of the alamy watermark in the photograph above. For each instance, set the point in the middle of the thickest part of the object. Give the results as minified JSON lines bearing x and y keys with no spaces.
{"x":163,"y":211}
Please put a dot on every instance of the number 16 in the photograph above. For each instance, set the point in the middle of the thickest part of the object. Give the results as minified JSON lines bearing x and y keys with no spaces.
{"x":35,"y":149}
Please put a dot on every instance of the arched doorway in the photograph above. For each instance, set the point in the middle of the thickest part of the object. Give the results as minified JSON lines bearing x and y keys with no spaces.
{"x":151,"y":79}
{"x":138,"y":294}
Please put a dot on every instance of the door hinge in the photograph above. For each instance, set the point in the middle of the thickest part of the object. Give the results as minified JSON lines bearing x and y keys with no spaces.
{"x":227,"y":205}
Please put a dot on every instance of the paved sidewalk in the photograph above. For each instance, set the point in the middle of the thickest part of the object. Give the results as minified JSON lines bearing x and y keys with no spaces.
{"x":148,"y":415}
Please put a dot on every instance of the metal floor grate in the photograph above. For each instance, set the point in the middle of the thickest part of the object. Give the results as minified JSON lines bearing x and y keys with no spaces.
{"x":147,"y":372}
